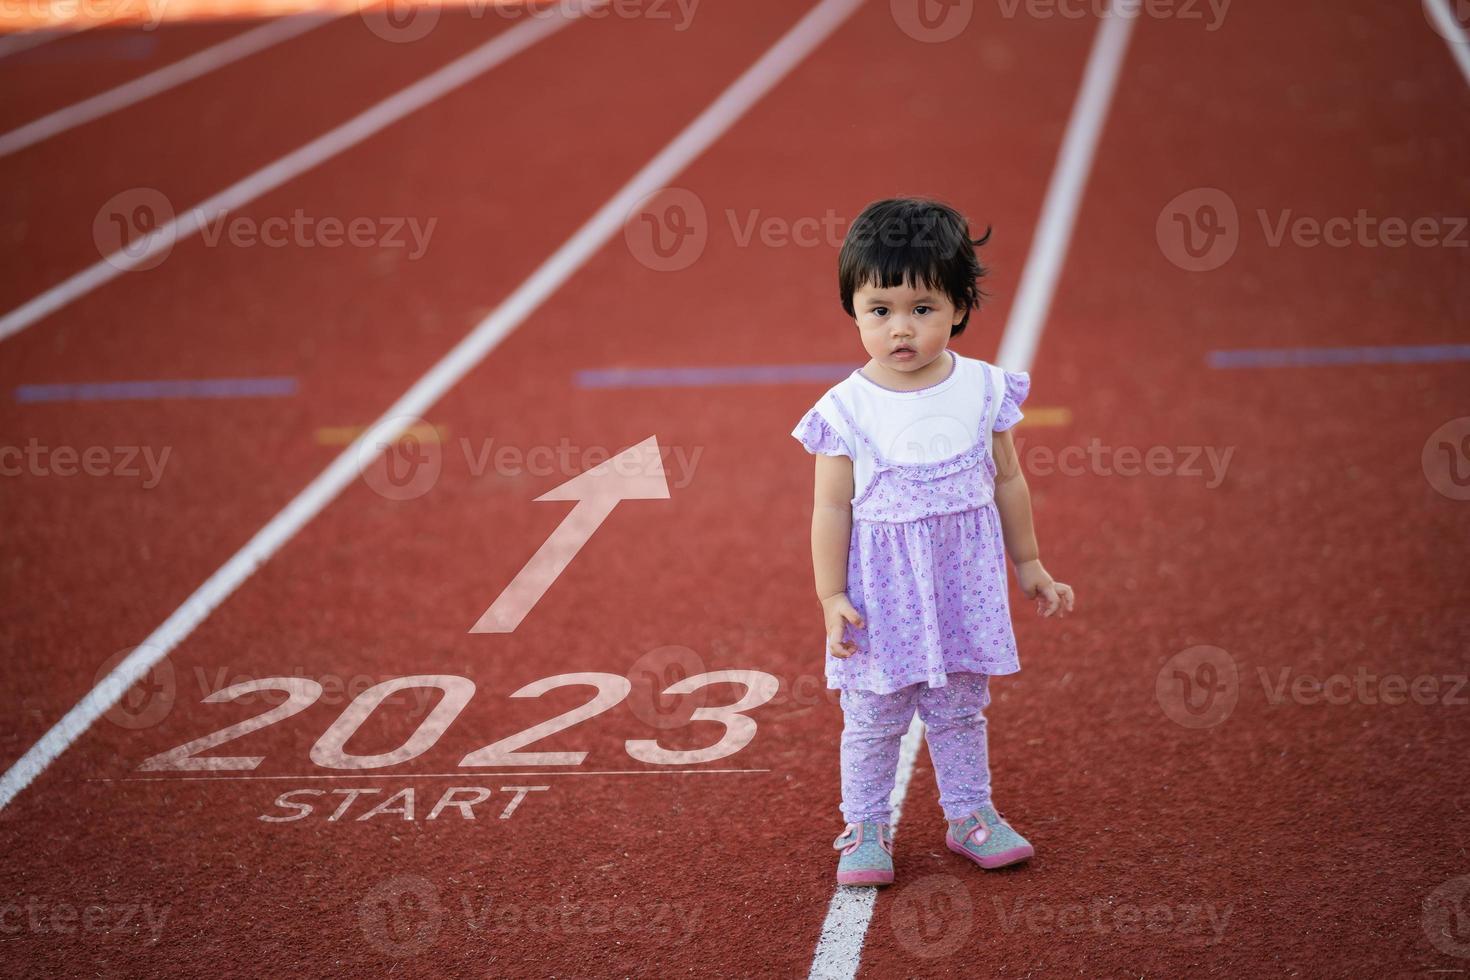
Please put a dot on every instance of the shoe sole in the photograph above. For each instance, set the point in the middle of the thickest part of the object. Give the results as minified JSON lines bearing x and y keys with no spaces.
{"x":865,"y":877}
{"x":998,"y":860}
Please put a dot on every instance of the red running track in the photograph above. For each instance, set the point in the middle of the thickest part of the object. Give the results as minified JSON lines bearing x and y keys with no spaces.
{"x":353,"y":348}
{"x":1300,"y":827}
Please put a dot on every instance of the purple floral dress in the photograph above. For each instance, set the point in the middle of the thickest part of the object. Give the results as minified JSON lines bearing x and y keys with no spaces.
{"x":927,"y":565}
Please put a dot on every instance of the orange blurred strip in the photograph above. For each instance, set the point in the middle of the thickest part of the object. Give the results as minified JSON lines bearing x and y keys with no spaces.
{"x":342,"y":435}
{"x":80,"y":14}
{"x":1046,"y":416}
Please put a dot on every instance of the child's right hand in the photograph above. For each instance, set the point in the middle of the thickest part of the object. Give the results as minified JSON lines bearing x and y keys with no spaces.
{"x":838,"y":611}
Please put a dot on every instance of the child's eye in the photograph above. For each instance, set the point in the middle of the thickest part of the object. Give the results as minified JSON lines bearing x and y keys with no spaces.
{"x":921,"y":310}
{"x":879,"y":310}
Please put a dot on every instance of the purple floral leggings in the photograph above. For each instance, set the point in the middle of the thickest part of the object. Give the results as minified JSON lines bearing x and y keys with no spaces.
{"x":873,"y":725}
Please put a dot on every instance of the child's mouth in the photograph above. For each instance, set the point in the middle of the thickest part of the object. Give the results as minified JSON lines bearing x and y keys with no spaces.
{"x":903,"y":354}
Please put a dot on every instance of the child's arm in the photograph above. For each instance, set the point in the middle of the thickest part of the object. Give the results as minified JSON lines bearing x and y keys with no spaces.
{"x":1013,"y":502}
{"x":831,"y":538}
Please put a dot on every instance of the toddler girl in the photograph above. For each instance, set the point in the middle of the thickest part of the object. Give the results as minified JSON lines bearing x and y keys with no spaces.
{"x":916,"y":506}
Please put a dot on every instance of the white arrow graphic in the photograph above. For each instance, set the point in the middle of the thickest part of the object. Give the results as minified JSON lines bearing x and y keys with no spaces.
{"x":636,"y":473}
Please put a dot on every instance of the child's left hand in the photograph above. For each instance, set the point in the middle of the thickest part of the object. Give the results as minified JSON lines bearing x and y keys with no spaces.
{"x":1051,"y":596}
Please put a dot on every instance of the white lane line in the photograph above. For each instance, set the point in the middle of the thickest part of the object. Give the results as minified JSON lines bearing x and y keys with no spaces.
{"x":719,"y":116}
{"x":840,"y":948}
{"x":376,"y":118}
{"x":1064,"y":193}
{"x":1448,"y":27}
{"x":187,"y":69}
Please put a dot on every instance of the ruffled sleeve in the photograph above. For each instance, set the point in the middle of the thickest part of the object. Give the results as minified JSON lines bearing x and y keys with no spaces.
{"x":818,"y":436}
{"x":1017,"y":386}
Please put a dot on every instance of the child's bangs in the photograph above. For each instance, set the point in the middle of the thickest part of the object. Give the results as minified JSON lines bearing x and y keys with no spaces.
{"x":912,"y":267}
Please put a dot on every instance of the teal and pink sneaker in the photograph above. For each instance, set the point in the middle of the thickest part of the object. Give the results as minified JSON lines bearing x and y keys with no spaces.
{"x":867,"y":854}
{"x":985,"y":838}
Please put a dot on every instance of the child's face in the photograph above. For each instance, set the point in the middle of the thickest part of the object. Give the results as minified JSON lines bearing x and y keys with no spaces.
{"x":904,"y":328}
